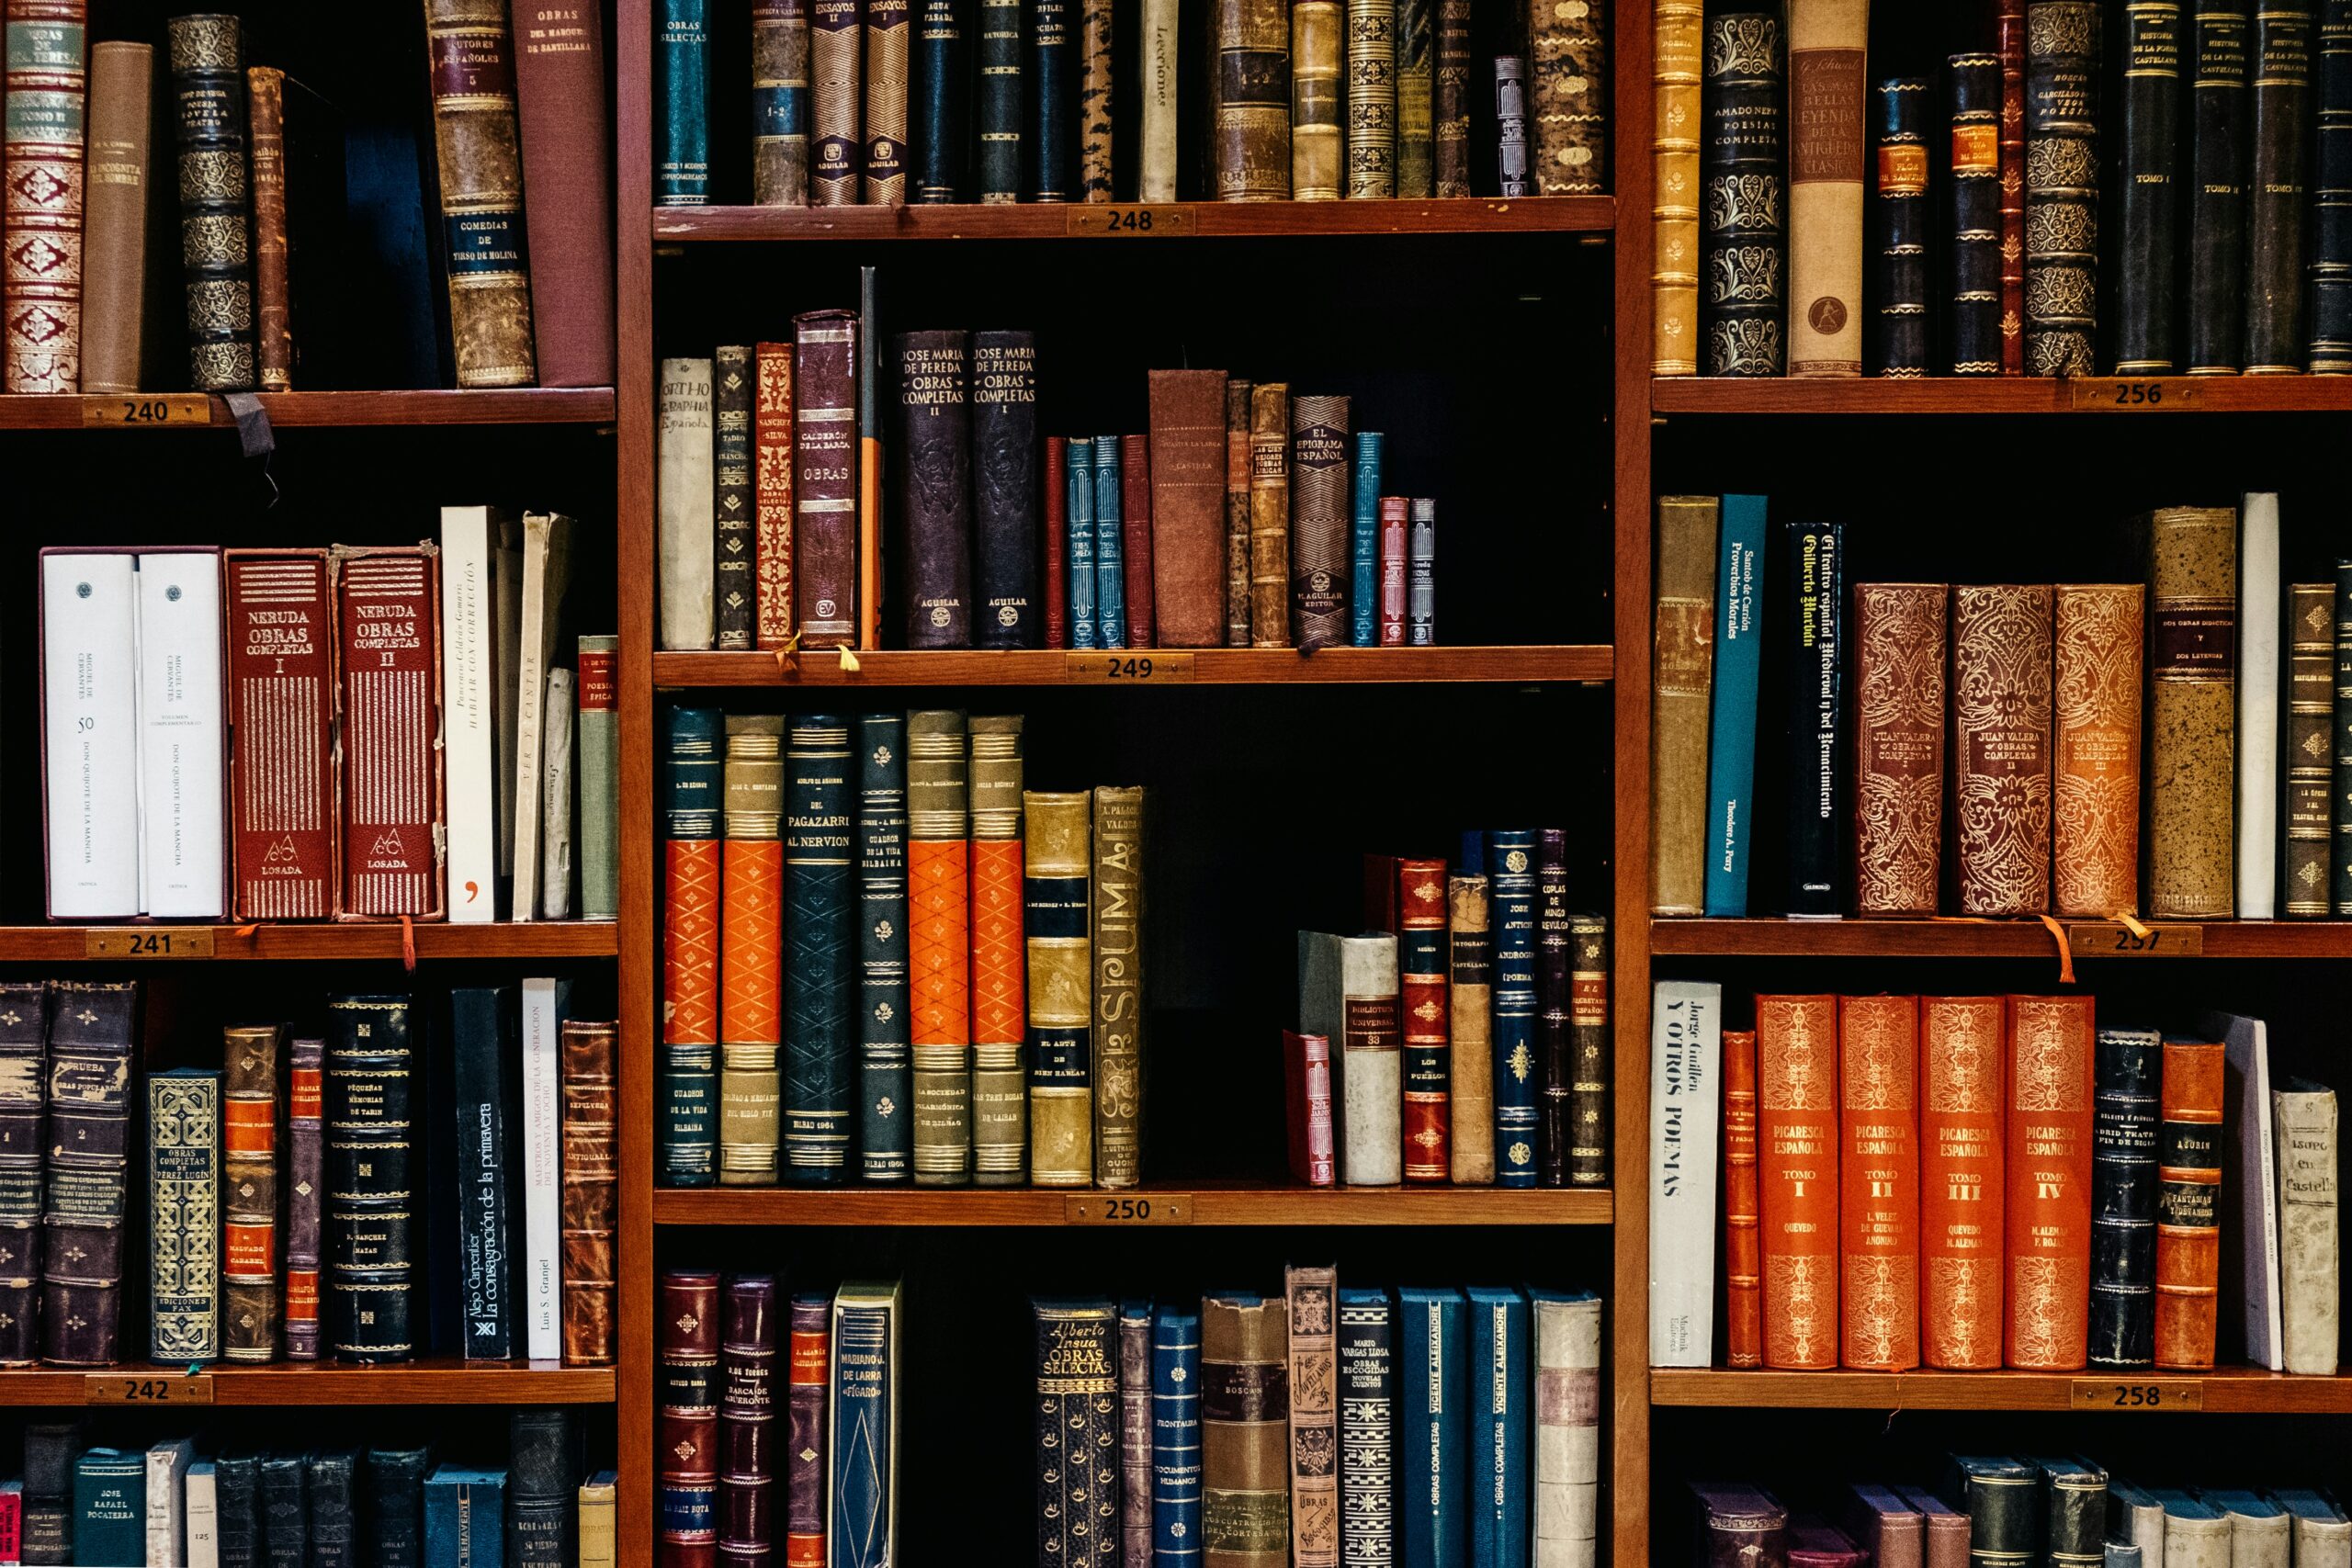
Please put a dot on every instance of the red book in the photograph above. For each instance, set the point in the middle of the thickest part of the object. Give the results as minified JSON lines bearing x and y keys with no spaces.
{"x":772,"y":468}
{"x":388,"y":615}
{"x":1743,"y":1256}
{"x":2189,"y":1191}
{"x":1306,"y":1095}
{"x":12,"y":1525}
{"x":2009,"y":35}
{"x":2049,"y":1220}
{"x":1135,"y":484}
{"x":1421,"y":980}
{"x":1057,"y":541}
{"x":567,"y":188}
{"x":281,"y":721}
{"x":1878,"y":1198}
{"x":1395,"y":514}
{"x":1796,"y":1117}
{"x":1961,"y":1192}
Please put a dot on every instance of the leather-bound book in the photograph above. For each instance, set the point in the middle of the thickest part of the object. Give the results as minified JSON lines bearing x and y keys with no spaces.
{"x":862,"y":1412}
{"x":1566,"y":1472}
{"x":2073,"y":1509}
{"x":479,"y":148}
{"x":273,"y":307}
{"x":2148,"y":193}
{"x":933,"y":451}
{"x":374,"y":1175}
{"x":1188,"y":481}
{"x":1682,"y":680}
{"x":2095,"y":747}
{"x":806,"y":1461}
{"x":779,"y":103}
{"x":113,"y":238}
{"x":2303,"y":1118}
{"x":1311,"y":1298}
{"x":1395,"y":527}
{"x":1135,"y":534}
{"x":1270,"y":515}
{"x":2331,"y":232}
{"x":1512,"y":175}
{"x":685,"y":1402}
{"x":1470,"y":976}
{"x":590,"y":1199}
{"x":47,"y":1513}
{"x":1110,"y":542}
{"x":824,"y":436}
{"x":1240,"y":494}
{"x":1900,"y":276}
{"x":305,"y":1179}
{"x":1077,"y":1366}
{"x":2217,"y":159}
{"x":2276,"y":339}
{"x":1570,"y":69}
{"x":1005,"y":489}
{"x":1556,"y":1043}
{"x":1251,"y":99}
{"x":2062,"y":187}
{"x":1885,"y":1527}
{"x":1000,"y":48}
{"x":1244,"y":1436}
{"x":1899,"y":673}
{"x":1796,"y":1068}
{"x":41,"y":233}
{"x":2000,"y":744}
{"x":747,"y":1417}
{"x":2191,"y":715}
{"x":1589,"y":1063}
{"x":883,"y":171}
{"x":24,"y":1037}
{"x":1879,"y":1181}
{"x":1363,"y":543}
{"x":1094,"y":117}
{"x":2260,"y":1534}
{"x":1743,"y":1235}
{"x":281,"y":705}
{"x":939,"y":945}
{"x":2000,"y":1497}
{"x":1511,"y":855}
{"x":1416,"y":97}
{"x":1421,"y":980}
{"x":685,"y":491}
{"x":2309,"y":745}
{"x":734,"y":588}
{"x":1745,"y":297}
{"x":693,"y":873}
{"x":1000,"y":1004}
{"x":1135,"y":1434}
{"x":388,"y":616}
{"x":1115,"y":939}
{"x":1050,"y":104}
{"x":544,"y":1468}
{"x":885,"y":1063}
{"x":1307,"y":1121}
{"x":184,"y":1198}
{"x":818,"y":895}
{"x":216,"y":203}
{"x":772,"y":489}
{"x":1975,"y":208}
{"x":2048,"y":1070}
{"x":1318,"y":135}
{"x":92,"y":1049}
{"x":1944,"y":1529}
{"x":1372,"y":97}
{"x":2340,"y":813}
{"x":1057,"y":866}
{"x":2010,"y":45}
{"x":2123,"y":1203}
{"x":836,"y":156}
{"x":2188,"y":1176}
{"x":1676,"y":55}
{"x":249,"y":1193}
{"x":1813,"y":1544}
{"x":282,"y":1490}
{"x":1057,"y":482}
{"x":939,"y":118}
{"x":682,"y":103}
{"x":1449,"y":96}
{"x":1827,"y":43}
{"x":1739,"y":1525}
{"x":1318,"y":522}
{"x":395,"y":1491}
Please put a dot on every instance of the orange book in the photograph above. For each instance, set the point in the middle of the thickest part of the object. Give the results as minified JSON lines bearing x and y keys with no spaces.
{"x":690,"y":941}
{"x":2049,"y":1220}
{"x":938,"y":946}
{"x":2188,"y":1189}
{"x":1878,"y":1196}
{"x":1961,"y":1194}
{"x":1796,"y":1118}
{"x":752,"y":936}
{"x":1743,"y":1259}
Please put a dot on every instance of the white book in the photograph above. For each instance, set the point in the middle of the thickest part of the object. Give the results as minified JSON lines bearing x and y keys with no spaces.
{"x":1686,"y":1118}
{"x":168,"y":1465}
{"x":203,"y":1517}
{"x":182,"y":749}
{"x":507,"y":607}
{"x":543,"y":1008}
{"x":688,"y":503}
{"x":2302,"y":1117}
{"x":470,"y":722}
{"x":555,"y":800}
{"x":1160,"y":69}
{"x":546,"y":573}
{"x":2137,"y":1515}
{"x":1567,"y":1450}
{"x":2250,"y":1232}
{"x":89,"y":682}
{"x":2258,"y":743}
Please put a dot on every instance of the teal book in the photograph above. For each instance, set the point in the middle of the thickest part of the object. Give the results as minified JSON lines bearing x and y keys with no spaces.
{"x":864,"y":1424}
{"x":1085,"y":628}
{"x":184,"y":1232}
{"x":1363,"y":544}
{"x":885,"y":1042}
{"x":465,"y":1517}
{"x":1500,"y":1385}
{"x":819,"y":890}
{"x":1431,"y":1441}
{"x":681,"y":112}
{"x":1731,"y":749}
{"x":110,"y":1509}
{"x":1110,"y":544}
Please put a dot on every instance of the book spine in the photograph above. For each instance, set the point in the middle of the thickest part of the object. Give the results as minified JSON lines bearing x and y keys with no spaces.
{"x":1879,"y":1182}
{"x":371,"y":1178}
{"x":332,"y":1520}
{"x":746,"y":1416}
{"x":2339,"y":852}
{"x":41,"y":233}
{"x":178,"y":701}
{"x":1427,"y":1067}
{"x":1743,"y":1238}
{"x":1677,"y":52}
{"x":682,"y":118}
{"x":475,"y":138}
{"x":835,"y":94}
{"x":1000,"y":1004}
{"x":120,"y":173}
{"x":1270,"y":515}
{"x":1057,"y":482}
{"x":779,"y":103}
{"x":1589,"y":1066}
{"x":2303,"y":1116}
{"x":771,"y":489}
{"x":1057,"y":864}
{"x":940,"y":114}
{"x":2010,"y":45}
{"x":1511,"y":176}
{"x":2048,"y":1224}
{"x":1900,"y":629}
{"x":886,"y":1143}
{"x":590,"y":1204}
{"x":806,"y":1461}
{"x":1318,"y":135}
{"x":1250,"y":100}
{"x":1157,"y":180}
{"x":939,"y":948}
{"x":1432,"y":1397}
{"x":23,"y":1020}
{"x":2147,"y":201}
{"x":685,"y":1397}
{"x":305,"y":1176}
{"x":1731,"y":746}
{"x":1745,"y":239}
{"x":2261,"y":588}
{"x":863,"y":1413}
{"x":216,"y":203}
{"x":1555,"y":1040}
{"x":1085,"y":625}
{"x":1049,"y":105}
{"x":1416,"y":97}
{"x":1512,"y":883}
{"x":390,"y":644}
{"x":2123,"y":1204}
{"x":183,"y":1197}
{"x":1094,"y":118}
{"x":281,"y":702}
{"x":824,"y":434}
{"x":691,"y":877}
{"x":1363,"y":544}
{"x":1902,"y":225}
{"x":2331,"y":305}
{"x":1110,"y":543}
{"x":2192,"y":667}
{"x":1681,"y":676}
{"x":2062,"y":187}
{"x":1136,"y":529}
{"x":1420,"y":575}
{"x":1004,"y":480}
{"x":2000,"y":744}
{"x":1175,"y":1434}
{"x":1076,"y":1364}
{"x":2189,"y":1191}
{"x":1975,"y":255}
{"x":2309,"y":747}
{"x":249,"y":1195}
{"x":2096,"y":748}
{"x":1395,"y":513}
{"x":1450,"y":91}
{"x":933,"y":451}
{"x":2277,"y":188}
{"x":2217,"y":188}
{"x":1814,"y":593}
{"x":687,"y":486}
{"x":1240,"y":492}
{"x":1311,"y":1300}
{"x":1372,"y":100}
{"x":89,"y":682}
{"x":1960,"y":1181}
{"x":1186,"y":502}
{"x":817,"y":869}
{"x":1115,"y":937}
{"x":599,"y":665}
{"x":1567,"y":1412}
{"x":481,"y":1038}
{"x":273,"y":336}
{"x":1366,"y":1360}
{"x":1135,"y":1434}
{"x":1307,"y":1108}
{"x":1827,"y":42}
{"x":1496,"y":1417}
{"x":735,"y":590}
{"x":1797,"y":1144}
{"x":1245,"y":1410}
{"x":1319,"y":541}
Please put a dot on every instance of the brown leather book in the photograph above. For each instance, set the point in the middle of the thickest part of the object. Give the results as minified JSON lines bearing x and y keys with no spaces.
{"x":475,"y":138}
{"x":1470,"y":975}
{"x":1134,"y":521}
{"x":249,"y":1193}
{"x":273,"y":310}
{"x":1828,"y":109}
{"x":1318,"y":523}
{"x":113,"y":238}
{"x":773,"y":474}
{"x":567,"y":186}
{"x":1796,"y":1122}
{"x":1238,"y":397}
{"x":1449,"y":102}
{"x":1899,"y":746}
{"x":1743,"y":1241}
{"x":1252,"y":99}
{"x":591,"y":1198}
{"x":1188,"y":493}
{"x":1095,"y":168}
{"x":2190,"y":839}
{"x":1878,"y":1078}
{"x":2096,"y":748}
{"x":2188,"y":1192}
{"x":1567,"y":97}
{"x":2000,"y":748}
{"x":2310,"y":744}
{"x":1270,"y":515}
{"x":1313,"y":1317}
{"x":1681,"y":677}
{"x":1317,"y":142}
{"x":824,"y":434}
{"x":1245,"y":1432}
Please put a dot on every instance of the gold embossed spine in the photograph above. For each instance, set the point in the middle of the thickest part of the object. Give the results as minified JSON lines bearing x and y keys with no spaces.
{"x":2190,"y":844}
{"x":1899,"y":747}
{"x":2095,"y":831}
{"x":1681,"y":677}
{"x":1057,"y":848}
{"x":1270,"y":515}
{"x":2001,"y":717}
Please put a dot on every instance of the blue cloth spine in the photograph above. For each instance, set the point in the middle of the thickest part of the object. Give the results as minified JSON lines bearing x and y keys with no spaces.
{"x":1363,"y":544}
{"x":1110,"y":546}
{"x":682,"y":125}
{"x":1084,"y":626}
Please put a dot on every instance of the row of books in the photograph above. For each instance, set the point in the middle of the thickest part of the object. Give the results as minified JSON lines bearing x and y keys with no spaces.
{"x":1978,"y":1181}
{"x":1246,"y":517}
{"x":246,"y":1244}
{"x":2084,"y":750}
{"x":963,"y":1004}
{"x":264,"y":174}
{"x":1466,"y":1037}
{"x":2066,"y":1509}
{"x":354,"y":732}
{"x":1366,"y":99}
{"x":187,"y":1503}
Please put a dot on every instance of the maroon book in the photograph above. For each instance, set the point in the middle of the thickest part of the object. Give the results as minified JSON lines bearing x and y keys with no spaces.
{"x":281,"y":720}
{"x":1306,"y":1095}
{"x":1135,"y":482}
{"x":567,"y":188}
{"x":388,"y":611}
{"x":1057,"y":541}
{"x":1815,"y":1544}
{"x":747,"y":1417}
{"x":824,"y":497}
{"x":687,"y":1416}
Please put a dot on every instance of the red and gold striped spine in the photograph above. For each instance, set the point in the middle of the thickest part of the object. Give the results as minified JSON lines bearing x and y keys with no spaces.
{"x":1421,"y":945}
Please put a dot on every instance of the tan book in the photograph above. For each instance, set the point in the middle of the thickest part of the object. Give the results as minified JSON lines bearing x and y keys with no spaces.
{"x":1899,"y":637}
{"x":1058,"y":852}
{"x":751,"y":1089}
{"x":1471,"y":976}
{"x":2302,"y":1121}
{"x":2000,"y":748}
{"x":1312,"y":1299}
{"x":1675,"y":30}
{"x":1117,"y":954}
{"x":2096,"y":748}
{"x":1317,"y":142}
{"x":2190,"y":835}
{"x":2310,"y":746}
{"x":1682,"y":680}
{"x":1270,"y":515}
{"x":114,"y":246}
{"x":1251,"y":112}
{"x":1245,"y":1434}
{"x":1828,"y":87}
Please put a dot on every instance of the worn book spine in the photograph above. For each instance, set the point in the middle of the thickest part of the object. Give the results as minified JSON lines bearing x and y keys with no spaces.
{"x":687,"y":486}
{"x":836,"y":157}
{"x":1155,"y":179}
{"x":1245,"y":1439}
{"x":2128,"y":1062}
{"x":543,"y":1476}
{"x":817,"y":897}
{"x":747,"y":1417}
{"x":1318,"y":532}
{"x":1798,"y":1147}
{"x":1827,"y":43}
{"x":2309,"y":746}
{"x":590,"y":1204}
{"x":692,"y":874}
{"x":1743,"y":1252}
{"x":305,"y":1178}
{"x":1569,"y":71}
{"x":1745,"y":267}
{"x":1416,"y":103}
{"x":1900,"y":630}
{"x":940,"y":112}
{"x":1110,"y":542}
{"x":2147,"y":198}
{"x":1251,"y":100}
{"x":885,"y":25}
{"x":2330,"y":230}
{"x":1134,"y":1534}
{"x":2217,"y":167}
{"x":2310,"y":1255}
{"x":1566,"y":1403}
{"x":2189,"y":1234}
{"x":885,"y":1087}
{"x":1115,"y":941}
{"x":1051,"y":100}
{"x":249,"y":1193}
{"x":1556,"y":1042}
{"x":1901,"y":276}
{"x":1270,"y":515}
{"x":281,"y":647}
{"x":933,"y":453}
{"x":2048,"y":1219}
{"x":1420,"y":575}
{"x":1511,"y":176}
{"x":388,"y":614}
{"x":1677,"y":55}
{"x":938,"y":949}
{"x":1187,"y":476}
{"x":1085,"y":623}
{"x":734,"y":575}
{"x":1372,"y":97}
{"x":1363,"y":543}
{"x":24,"y":1030}
{"x":1449,"y":96}
{"x":780,"y":103}
{"x":824,"y":437}
{"x":374,"y":1175}
{"x":599,"y":725}
{"x":216,"y":202}
{"x":1681,"y":678}
{"x":1004,"y":487}
{"x":1135,"y":532}
{"x":1470,"y":972}
{"x":184,"y":1214}
{"x":1975,"y":253}
{"x":807,"y":1463}
{"x":1395,"y":550}
{"x":1311,"y":1296}
{"x":1427,"y":1073}
{"x":2000,"y":744}
{"x":1588,"y":1068}
{"x":682,"y":119}
{"x":1366,"y":1359}
{"x":2277,"y":188}
{"x":1813,"y":580}
{"x":1240,"y":492}
{"x":1513,"y":882}
{"x":480,"y":157}
{"x":2095,"y":751}
{"x":1094,"y":89}
{"x":2339,"y":855}
{"x":1307,"y":1109}
{"x":2008,"y":37}
{"x":686,"y":1398}
{"x":274,"y":338}
{"x":1057,"y":531}
{"x":121,"y":177}
{"x":2193,"y":665}
{"x":41,"y":238}
{"x":1057,"y":864}
{"x":1317,"y":131}
{"x":1000,"y":1004}
{"x":2062,"y":187}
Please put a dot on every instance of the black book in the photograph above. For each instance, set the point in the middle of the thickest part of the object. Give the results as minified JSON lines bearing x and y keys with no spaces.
{"x":2147,"y":193}
{"x":942,"y":127}
{"x":370,"y":1167}
{"x":395,"y":1493}
{"x":2217,"y":151}
{"x":334,"y":1515}
{"x":2130,"y":1066}
{"x":488,"y":1062}
{"x":24,"y":1039}
{"x":1901,"y":224}
{"x":1005,"y":463}
{"x":285,"y":1512}
{"x":1743,"y":207}
{"x":2073,"y":1512}
{"x":2001,"y":1498}
{"x":1813,"y":622}
{"x":236,"y":1499}
{"x":51,"y":1448}
{"x":2275,"y":339}
{"x":93,"y":1031}
{"x":1053,"y":95}
{"x":1001,"y":46}
{"x":2332,"y":203}
{"x":543,"y":1469}
{"x":932,"y":449}
{"x":1975,"y":214}
{"x":216,"y":200}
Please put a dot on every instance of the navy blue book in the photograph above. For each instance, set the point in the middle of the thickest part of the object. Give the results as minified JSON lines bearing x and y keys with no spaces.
{"x":1731,"y":746}
{"x":1501,"y":1382}
{"x":1510,"y":881}
{"x":1001,"y":47}
{"x":864,"y":1427}
{"x":939,"y":117}
{"x":285,"y":1512}
{"x":1812,"y":568}
{"x":1431,"y":1436}
{"x":110,"y":1506}
{"x":465,"y":1517}
{"x":395,"y":1490}
{"x":1367,"y":1358}
{"x":1363,"y":544}
{"x":1052,"y":102}
{"x":333,"y":1511}
{"x":885,"y":1062}
{"x":1085,"y":629}
{"x":817,"y":846}
{"x":1175,"y":1436}
{"x":693,"y":780}
{"x":482,"y":1031}
{"x":681,"y":102}
{"x":1110,"y":544}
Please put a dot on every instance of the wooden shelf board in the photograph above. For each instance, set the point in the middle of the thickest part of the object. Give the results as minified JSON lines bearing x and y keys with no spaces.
{"x":521,"y":405}
{"x":1997,"y":395}
{"x":2234,"y":1390}
{"x":435,"y":1381}
{"x":334,"y":939}
{"x":1458,"y":215}
{"x":1209,"y":666}
{"x":1212,"y":1204}
{"x":1774,"y":937}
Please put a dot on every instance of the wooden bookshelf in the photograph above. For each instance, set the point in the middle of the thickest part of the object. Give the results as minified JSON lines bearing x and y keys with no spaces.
{"x":1208,"y":666}
{"x":2229,"y":1391}
{"x":175,"y":410}
{"x":1769,"y":938}
{"x":338,"y":940}
{"x":431,"y":1381}
{"x":1595,"y":215}
{"x":2148,"y":397}
{"x":1196,"y":1203}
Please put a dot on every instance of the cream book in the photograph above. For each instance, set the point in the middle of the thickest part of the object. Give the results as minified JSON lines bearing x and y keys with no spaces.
{"x":2257,"y":701}
{"x":182,"y":743}
{"x":89,"y":666}
{"x":547,"y":577}
{"x":687,"y":503}
{"x":470,"y":666}
{"x":544,"y":1005}
{"x":1686,"y":1111}
{"x":554,"y":798}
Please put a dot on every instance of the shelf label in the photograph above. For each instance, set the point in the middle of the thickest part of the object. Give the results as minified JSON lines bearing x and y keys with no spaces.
{"x":2172,"y":1393}
{"x":1158,"y":668}
{"x":1130,"y":1209}
{"x":132,"y":942}
{"x":2107,"y":939}
{"x":111,"y":413}
{"x":2113,"y":395}
{"x":1131,"y":220}
{"x":152,"y":1388}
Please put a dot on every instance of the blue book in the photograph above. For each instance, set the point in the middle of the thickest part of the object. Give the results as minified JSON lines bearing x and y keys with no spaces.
{"x":1084,"y":629}
{"x":183,"y":1237}
{"x":1367,"y":1358}
{"x":1430,"y":1439}
{"x":687,"y":1132}
{"x":388,"y":260}
{"x":110,"y":1509}
{"x":1501,"y":1384}
{"x":939,"y":114}
{"x":682,"y":100}
{"x":1510,"y":884}
{"x":1175,"y":1436}
{"x":863,"y":1422}
{"x":886,"y":1062}
{"x":1110,"y":544}
{"x":1049,"y":27}
{"x":487,"y":1057}
{"x":1363,"y":544}
{"x":818,"y":882}
{"x":465,"y":1517}
{"x":1730,"y":750}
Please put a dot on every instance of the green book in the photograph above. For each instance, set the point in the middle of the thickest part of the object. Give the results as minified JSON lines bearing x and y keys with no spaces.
{"x":599,"y":774}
